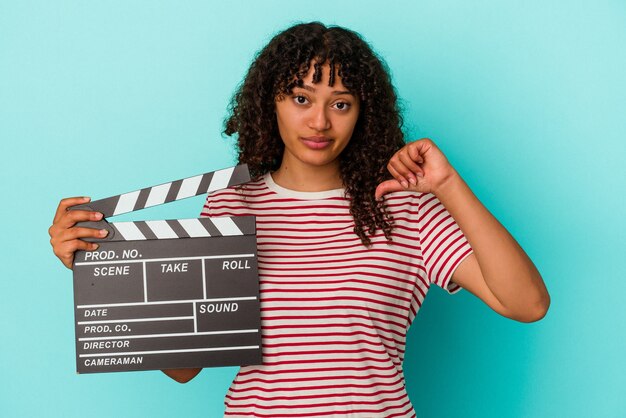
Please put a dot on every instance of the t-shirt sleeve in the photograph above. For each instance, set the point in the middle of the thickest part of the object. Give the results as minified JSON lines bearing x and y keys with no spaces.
{"x":213,"y":200}
{"x":206,"y":209}
{"x":443,"y":244}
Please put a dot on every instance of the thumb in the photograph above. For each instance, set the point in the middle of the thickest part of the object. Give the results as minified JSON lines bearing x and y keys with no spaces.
{"x":388,"y":186}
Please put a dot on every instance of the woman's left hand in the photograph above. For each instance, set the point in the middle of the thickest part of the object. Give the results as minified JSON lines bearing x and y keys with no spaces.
{"x":418,"y":166}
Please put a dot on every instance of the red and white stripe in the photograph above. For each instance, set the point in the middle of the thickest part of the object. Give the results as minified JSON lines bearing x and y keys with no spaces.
{"x":334,"y":313}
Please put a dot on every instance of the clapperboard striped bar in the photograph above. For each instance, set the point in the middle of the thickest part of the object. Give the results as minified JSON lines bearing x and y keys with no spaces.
{"x":168,"y":293}
{"x":169,"y":192}
{"x":182,"y":228}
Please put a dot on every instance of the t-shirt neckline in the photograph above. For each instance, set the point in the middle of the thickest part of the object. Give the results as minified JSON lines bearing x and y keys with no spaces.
{"x":295,"y":194}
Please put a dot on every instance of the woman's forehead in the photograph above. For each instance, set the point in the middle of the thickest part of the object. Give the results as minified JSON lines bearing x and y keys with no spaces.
{"x":320,"y":72}
{"x":314,"y":74}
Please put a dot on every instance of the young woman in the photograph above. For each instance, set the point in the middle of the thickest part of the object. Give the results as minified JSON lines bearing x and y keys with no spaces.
{"x":353,"y":227}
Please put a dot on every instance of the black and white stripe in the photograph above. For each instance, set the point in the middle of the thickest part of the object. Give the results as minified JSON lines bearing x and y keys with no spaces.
{"x":182,"y":228}
{"x":169,"y":192}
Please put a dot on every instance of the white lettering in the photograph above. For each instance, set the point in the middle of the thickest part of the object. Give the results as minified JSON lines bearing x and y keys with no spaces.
{"x":95,"y":312}
{"x":236,"y":265}
{"x":218,"y":307}
{"x":130,"y":253}
{"x":174,"y":267}
{"x":90,"y":329}
{"x":111,"y":271}
{"x":100,"y":255}
{"x":96,"y":345}
{"x":113,"y":361}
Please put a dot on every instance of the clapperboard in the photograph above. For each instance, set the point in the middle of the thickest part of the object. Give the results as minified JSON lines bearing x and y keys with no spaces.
{"x":168,"y":293}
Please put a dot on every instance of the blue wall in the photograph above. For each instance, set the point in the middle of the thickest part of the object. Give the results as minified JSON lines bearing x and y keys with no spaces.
{"x":527,"y":99}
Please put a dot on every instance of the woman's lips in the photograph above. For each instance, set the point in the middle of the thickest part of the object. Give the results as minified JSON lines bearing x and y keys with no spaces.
{"x":316,"y":142}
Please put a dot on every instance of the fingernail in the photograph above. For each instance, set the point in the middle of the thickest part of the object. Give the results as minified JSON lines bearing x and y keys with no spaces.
{"x":404,"y":184}
{"x":86,"y":199}
{"x":420,"y":174}
{"x":98,"y":216}
{"x":94,"y":246}
{"x":412,"y":181}
{"x":103,"y":232}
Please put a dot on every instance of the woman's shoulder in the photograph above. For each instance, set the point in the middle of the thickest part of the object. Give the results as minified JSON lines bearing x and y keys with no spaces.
{"x":412,"y":207}
{"x":403,"y":199}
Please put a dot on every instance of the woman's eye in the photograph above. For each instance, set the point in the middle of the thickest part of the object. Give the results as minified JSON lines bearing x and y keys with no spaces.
{"x":342,"y":106}
{"x":300,"y":99}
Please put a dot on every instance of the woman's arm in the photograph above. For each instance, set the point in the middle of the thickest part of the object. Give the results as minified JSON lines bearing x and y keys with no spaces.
{"x":499,"y":272}
{"x":182,"y":375}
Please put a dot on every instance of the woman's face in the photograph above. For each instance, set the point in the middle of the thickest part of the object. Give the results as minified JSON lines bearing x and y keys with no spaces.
{"x":317,"y":120}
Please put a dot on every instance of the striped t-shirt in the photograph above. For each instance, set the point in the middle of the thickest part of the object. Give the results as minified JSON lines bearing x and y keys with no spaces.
{"x":334,"y":313}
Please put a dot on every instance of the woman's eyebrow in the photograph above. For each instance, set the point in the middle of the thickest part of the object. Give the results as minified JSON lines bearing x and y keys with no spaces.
{"x":336,"y":92}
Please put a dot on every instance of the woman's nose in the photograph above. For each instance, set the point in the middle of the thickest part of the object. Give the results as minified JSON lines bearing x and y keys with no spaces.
{"x":319,"y":119}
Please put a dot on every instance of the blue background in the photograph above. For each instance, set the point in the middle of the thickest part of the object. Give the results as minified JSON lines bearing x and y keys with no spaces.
{"x":526,"y":98}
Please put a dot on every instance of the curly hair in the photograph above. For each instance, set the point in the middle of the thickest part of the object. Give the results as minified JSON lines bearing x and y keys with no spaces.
{"x":377,"y":135}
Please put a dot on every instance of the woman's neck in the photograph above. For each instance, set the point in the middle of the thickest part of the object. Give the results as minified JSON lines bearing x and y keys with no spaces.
{"x":306,"y":178}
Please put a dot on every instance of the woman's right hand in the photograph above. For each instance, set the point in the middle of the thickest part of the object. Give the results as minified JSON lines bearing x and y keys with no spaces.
{"x":65,"y":237}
